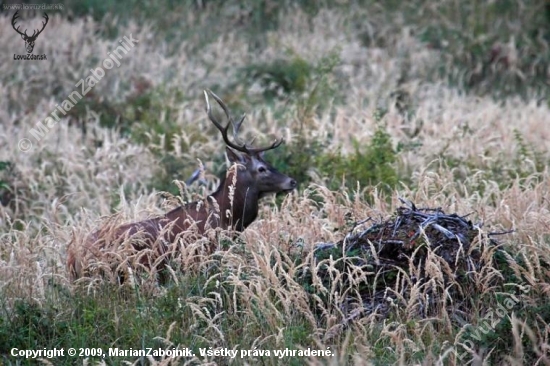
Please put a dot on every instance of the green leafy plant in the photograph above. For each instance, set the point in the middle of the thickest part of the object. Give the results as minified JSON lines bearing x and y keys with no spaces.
{"x":5,"y":185}
{"x":280,"y":77}
{"x":370,"y":165}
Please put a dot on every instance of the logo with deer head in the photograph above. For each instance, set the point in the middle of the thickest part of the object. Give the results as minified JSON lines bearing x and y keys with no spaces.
{"x":29,"y":40}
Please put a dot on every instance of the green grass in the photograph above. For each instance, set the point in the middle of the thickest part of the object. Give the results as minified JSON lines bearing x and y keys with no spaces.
{"x":131,"y":319}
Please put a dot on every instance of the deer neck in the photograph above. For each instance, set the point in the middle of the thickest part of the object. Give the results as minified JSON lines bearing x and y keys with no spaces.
{"x":243,"y":206}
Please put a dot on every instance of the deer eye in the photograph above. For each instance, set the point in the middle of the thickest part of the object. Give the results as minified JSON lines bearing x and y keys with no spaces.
{"x":261,"y":169}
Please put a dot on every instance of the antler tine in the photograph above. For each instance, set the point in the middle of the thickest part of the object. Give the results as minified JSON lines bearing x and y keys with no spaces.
{"x":218,"y":125}
{"x":221,"y":103}
{"x":274,"y":145}
{"x":236,"y":128}
{"x":222,"y":129}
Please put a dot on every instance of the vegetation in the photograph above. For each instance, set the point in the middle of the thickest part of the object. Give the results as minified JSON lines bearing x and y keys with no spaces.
{"x":444,"y":104}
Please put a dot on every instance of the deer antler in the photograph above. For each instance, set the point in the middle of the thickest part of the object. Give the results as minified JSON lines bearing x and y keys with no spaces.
{"x":14,"y":20}
{"x":236,"y":127}
{"x":34,"y":34}
{"x":43,"y":25}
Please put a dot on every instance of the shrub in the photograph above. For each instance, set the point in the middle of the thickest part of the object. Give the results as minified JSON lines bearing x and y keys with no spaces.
{"x":280,"y":77}
{"x":370,"y":165}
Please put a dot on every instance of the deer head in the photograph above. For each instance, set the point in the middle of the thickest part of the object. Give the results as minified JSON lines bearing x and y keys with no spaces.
{"x":255,"y":176}
{"x":29,"y":40}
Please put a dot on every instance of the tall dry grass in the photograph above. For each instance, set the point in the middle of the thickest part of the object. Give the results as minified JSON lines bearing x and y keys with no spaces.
{"x":67,"y":185}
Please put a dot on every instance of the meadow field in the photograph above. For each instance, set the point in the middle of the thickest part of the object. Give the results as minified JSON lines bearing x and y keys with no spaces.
{"x":442,"y":104}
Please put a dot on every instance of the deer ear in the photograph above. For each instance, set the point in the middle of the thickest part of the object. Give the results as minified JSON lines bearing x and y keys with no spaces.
{"x":235,"y":156}
{"x":23,"y":36}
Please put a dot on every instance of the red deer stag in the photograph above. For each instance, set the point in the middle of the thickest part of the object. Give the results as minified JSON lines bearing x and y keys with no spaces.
{"x":233,"y":206}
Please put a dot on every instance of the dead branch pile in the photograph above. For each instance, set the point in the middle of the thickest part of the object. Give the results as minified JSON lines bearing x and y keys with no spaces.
{"x":440,"y":258}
